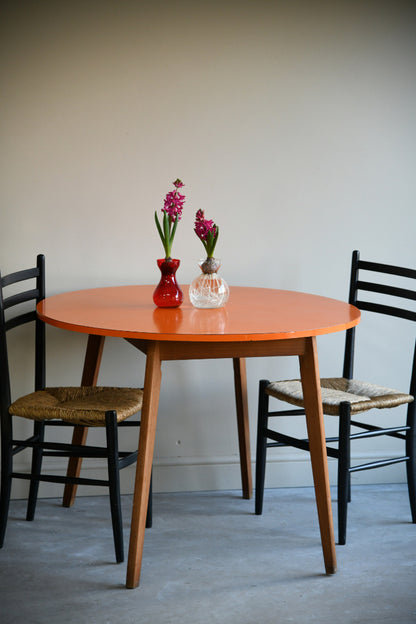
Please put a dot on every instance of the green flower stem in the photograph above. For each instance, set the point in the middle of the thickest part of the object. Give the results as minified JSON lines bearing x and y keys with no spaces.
{"x":175,"y":223}
{"x":210,"y":242}
{"x":168,"y":233}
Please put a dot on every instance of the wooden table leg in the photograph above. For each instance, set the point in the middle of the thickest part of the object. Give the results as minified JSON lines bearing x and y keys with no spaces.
{"x":240,"y":384}
{"x":151,"y":391}
{"x":315,"y":423}
{"x":92,"y":363}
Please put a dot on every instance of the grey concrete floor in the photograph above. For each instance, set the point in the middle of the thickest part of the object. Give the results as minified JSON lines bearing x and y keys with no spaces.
{"x":209,"y":559}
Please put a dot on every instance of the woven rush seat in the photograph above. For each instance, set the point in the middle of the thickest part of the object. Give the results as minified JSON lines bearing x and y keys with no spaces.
{"x":84,"y":405}
{"x":362,"y":395}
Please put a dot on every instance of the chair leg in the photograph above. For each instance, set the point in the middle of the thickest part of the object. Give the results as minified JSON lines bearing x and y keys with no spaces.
{"x":261,"y":451}
{"x":411,"y":454}
{"x":344,"y":460}
{"x":37,"y":455}
{"x":114,"y":483}
{"x":6,"y":476}
{"x":149,"y":517}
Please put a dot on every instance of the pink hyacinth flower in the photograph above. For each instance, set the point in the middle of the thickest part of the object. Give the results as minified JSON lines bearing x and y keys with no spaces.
{"x":173,"y":205}
{"x":204,"y":226}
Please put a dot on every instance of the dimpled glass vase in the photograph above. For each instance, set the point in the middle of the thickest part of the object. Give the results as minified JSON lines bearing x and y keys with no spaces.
{"x":167,"y":293}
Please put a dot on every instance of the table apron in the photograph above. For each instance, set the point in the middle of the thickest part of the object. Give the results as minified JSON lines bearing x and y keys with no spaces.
{"x":178,"y":350}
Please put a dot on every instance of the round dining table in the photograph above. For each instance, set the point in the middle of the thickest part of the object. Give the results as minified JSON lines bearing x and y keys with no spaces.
{"x":255,"y":322}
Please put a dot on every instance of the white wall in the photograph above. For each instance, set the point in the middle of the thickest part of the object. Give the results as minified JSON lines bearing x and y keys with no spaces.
{"x":292,"y":125}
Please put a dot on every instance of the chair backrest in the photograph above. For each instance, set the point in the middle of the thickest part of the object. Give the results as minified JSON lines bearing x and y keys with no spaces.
{"x":358,"y":296}
{"x":14,"y":314}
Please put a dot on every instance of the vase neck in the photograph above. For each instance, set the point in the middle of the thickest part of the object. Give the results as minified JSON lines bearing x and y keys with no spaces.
{"x":168,"y":266}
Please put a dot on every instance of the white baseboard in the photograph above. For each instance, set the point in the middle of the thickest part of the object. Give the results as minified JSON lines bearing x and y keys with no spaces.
{"x":187,"y":474}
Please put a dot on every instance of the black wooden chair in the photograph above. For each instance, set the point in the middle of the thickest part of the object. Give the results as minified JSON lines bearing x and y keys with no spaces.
{"x":57,"y":407}
{"x":345,"y":397}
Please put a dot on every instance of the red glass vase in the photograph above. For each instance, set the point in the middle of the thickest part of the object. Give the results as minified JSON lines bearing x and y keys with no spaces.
{"x":167,"y":293}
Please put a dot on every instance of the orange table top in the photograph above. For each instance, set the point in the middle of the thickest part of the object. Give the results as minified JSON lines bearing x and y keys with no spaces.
{"x":251,"y":314}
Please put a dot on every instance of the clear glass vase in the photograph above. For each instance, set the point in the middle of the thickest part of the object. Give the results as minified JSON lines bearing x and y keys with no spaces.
{"x":209,"y":290}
